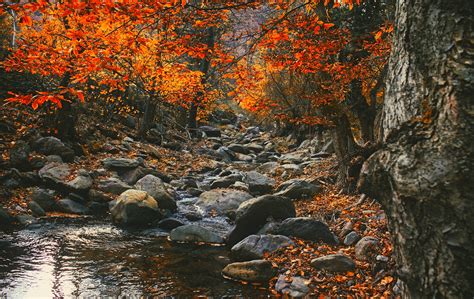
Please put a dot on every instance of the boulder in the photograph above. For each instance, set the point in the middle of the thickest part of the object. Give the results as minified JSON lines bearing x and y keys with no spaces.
{"x":305,"y":228}
{"x":222,"y":201}
{"x":253,"y":213}
{"x":19,"y":155}
{"x":259,"y":184}
{"x":45,"y":199}
{"x":298,"y":189}
{"x":252,"y":271}
{"x":135,"y":208}
{"x":82,"y":183}
{"x":155,"y":188}
{"x":334,"y":263}
{"x":170,"y":223}
{"x":70,"y":206}
{"x":53,"y":146}
{"x":113,"y":185}
{"x":210,"y":131}
{"x":36,"y":209}
{"x":351,"y":238}
{"x":194,"y":233}
{"x":120,"y":164}
{"x":54,"y":172}
{"x":295,"y":287}
{"x":5,"y":217}
{"x":255,"y":246}
{"x":268,"y":167}
{"x":225,"y":154}
{"x":226,"y":181}
{"x":366,"y":248}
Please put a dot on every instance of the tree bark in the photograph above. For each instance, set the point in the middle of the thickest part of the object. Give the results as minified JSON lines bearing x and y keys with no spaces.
{"x":423,"y":175}
{"x":148,"y":116}
{"x":66,"y":119}
{"x":365,"y":113}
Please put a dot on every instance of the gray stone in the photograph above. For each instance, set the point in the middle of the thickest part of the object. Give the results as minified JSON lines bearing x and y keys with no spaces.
{"x":238,"y":148}
{"x":5,"y":217}
{"x":254,"y":147}
{"x":259,"y":184}
{"x":135,"y":208}
{"x":24,"y":219}
{"x":54,"y":172}
{"x":81,"y":183}
{"x":334,"y":263}
{"x":170,"y":223}
{"x":366,"y":248}
{"x":45,"y":199}
{"x":36,"y":209}
{"x":295,"y":287}
{"x":255,"y":246}
{"x":70,"y":206}
{"x":305,"y":228}
{"x":268,"y":167}
{"x":298,"y":189}
{"x":222,"y":201}
{"x":53,"y":146}
{"x":120,"y":164}
{"x":19,"y":155}
{"x":252,"y":271}
{"x":155,"y":188}
{"x":351,"y":238}
{"x":226,"y":181}
{"x":194,"y":233}
{"x":113,"y":185}
{"x":210,"y":131}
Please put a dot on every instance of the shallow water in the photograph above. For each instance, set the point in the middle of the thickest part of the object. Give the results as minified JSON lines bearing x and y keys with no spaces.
{"x":81,"y":258}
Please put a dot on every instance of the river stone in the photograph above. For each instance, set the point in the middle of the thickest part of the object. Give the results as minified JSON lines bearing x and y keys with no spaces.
{"x":70,"y":206}
{"x":135,"y":208}
{"x":81,"y":183}
{"x":334,"y":263}
{"x":54,"y":172}
{"x":155,"y":188}
{"x":36,"y":209}
{"x":45,"y":199}
{"x":296,"y":287}
{"x":120,"y":164}
{"x":259,"y":184}
{"x":170,"y":223}
{"x":255,"y":246}
{"x":298,"y":189}
{"x":351,"y":238}
{"x":113,"y":185}
{"x":19,"y":155}
{"x":253,"y":213}
{"x":252,"y":271}
{"x":222,"y":200}
{"x":226,"y":181}
{"x":305,"y":228}
{"x":53,"y":146}
{"x":5,"y":217}
{"x":194,"y":233}
{"x":366,"y":248}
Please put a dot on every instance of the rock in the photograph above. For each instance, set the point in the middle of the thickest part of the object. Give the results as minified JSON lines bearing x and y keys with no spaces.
{"x":252,"y":271}
{"x":54,"y":158}
{"x":132,"y":176}
{"x":222,"y":201}
{"x":253,"y":213}
{"x":19,"y":155}
{"x":24,"y":219}
{"x":98,"y":208}
{"x":252,"y":131}
{"x":113,"y":185}
{"x":259,"y":184}
{"x":120,"y":164}
{"x":53,"y":146}
{"x":351,"y":238}
{"x":55,"y":173}
{"x":241,"y":186}
{"x":226,"y":154}
{"x":135,"y":208}
{"x":297,"y":157}
{"x":210,"y":131}
{"x":170,"y":223}
{"x":82,"y":183}
{"x":238,"y":148}
{"x":253,"y":247}
{"x":305,"y":228}
{"x":99,"y":196}
{"x":70,"y":206}
{"x":328,"y":148}
{"x":194,"y":233}
{"x":348,"y":226}
{"x":298,"y":189}
{"x":244,"y":158}
{"x":45,"y":199}
{"x":5,"y":217}
{"x":254,"y":147}
{"x":155,"y":188}
{"x":334,"y":263}
{"x":36,"y":209}
{"x":226,"y":181}
{"x":295,"y":287}
{"x":366,"y":248}
{"x":268,"y":167}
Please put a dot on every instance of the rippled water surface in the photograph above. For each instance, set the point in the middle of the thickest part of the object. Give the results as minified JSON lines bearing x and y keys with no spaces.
{"x":78,"y":258}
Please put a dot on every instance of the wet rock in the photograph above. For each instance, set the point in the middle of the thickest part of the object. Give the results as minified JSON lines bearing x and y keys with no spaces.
{"x":135,"y":208}
{"x":19,"y":155}
{"x":36,"y":209}
{"x":70,"y":206}
{"x":170,"y":223}
{"x":210,"y":131}
{"x":258,"y":183}
{"x":252,"y":271}
{"x":55,"y":173}
{"x":351,"y":238}
{"x":98,"y":208}
{"x":222,"y":201}
{"x":298,"y":189}
{"x":334,"y":263}
{"x":305,"y":228}
{"x":253,"y":213}
{"x":113,"y":185}
{"x":155,"y":188}
{"x":366,"y":248}
{"x":53,"y":146}
{"x":82,"y":183}
{"x":194,"y":192}
{"x":120,"y":164}
{"x":45,"y":199}
{"x":5,"y":217}
{"x":238,"y":148}
{"x":226,"y":181}
{"x":254,"y":246}
{"x":295,"y":287}
{"x":24,"y":219}
{"x":194,"y":233}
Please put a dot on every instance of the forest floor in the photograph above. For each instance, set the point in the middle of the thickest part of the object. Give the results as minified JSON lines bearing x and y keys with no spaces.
{"x":190,"y":167}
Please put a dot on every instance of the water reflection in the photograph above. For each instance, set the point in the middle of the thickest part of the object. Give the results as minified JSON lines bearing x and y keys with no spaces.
{"x":81,"y":259}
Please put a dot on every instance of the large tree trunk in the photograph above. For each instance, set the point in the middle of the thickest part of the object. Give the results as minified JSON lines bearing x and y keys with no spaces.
{"x":66,"y":118}
{"x":365,"y":113}
{"x":423,"y":176}
{"x":148,"y":116}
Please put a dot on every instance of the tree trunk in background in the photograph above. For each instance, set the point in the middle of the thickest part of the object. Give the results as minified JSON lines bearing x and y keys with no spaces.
{"x":148,"y":116}
{"x":365,"y":113}
{"x":423,"y":176}
{"x":66,"y":118}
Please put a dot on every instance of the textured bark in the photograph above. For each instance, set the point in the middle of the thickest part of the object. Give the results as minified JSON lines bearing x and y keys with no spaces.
{"x":148,"y":116}
{"x":423,"y":175}
{"x":66,"y":118}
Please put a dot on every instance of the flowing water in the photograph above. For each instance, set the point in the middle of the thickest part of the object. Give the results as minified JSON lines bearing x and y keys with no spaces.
{"x":90,"y":258}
